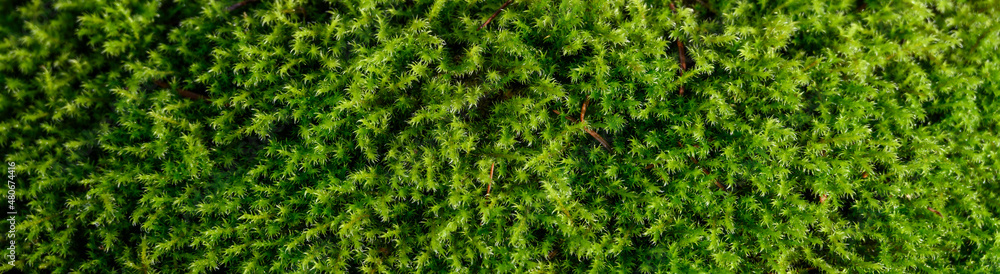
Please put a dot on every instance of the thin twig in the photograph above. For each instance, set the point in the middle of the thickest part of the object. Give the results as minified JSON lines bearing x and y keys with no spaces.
{"x":495,"y":14}
{"x":599,"y":139}
{"x":723,"y":188}
{"x":592,"y":133}
{"x":583,"y":111}
{"x":567,"y":117}
{"x":935,"y":211}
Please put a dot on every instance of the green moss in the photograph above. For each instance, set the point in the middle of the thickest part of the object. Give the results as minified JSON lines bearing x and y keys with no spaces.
{"x":364,"y":136}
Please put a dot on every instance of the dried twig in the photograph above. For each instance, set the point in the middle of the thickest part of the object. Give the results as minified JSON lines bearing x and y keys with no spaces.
{"x":495,"y":14}
{"x":935,"y":211}
{"x":721,"y":187}
{"x":599,"y":139}
{"x":705,"y":170}
{"x":592,"y":133}
{"x":567,"y":117}
{"x":583,"y":111}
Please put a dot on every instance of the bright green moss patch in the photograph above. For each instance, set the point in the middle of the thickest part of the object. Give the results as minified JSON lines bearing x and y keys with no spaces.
{"x":359,"y":136}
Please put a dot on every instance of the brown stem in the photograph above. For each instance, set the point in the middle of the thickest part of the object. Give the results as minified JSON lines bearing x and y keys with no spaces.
{"x":599,"y":139}
{"x":489,"y":185}
{"x":935,"y":211}
{"x":583,"y":111}
{"x":495,"y":14}
{"x":822,"y":199}
{"x":567,"y":117}
{"x":592,"y":133}
{"x":723,"y":188}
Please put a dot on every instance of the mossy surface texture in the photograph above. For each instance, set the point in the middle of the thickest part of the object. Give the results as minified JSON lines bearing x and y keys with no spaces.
{"x":560,"y":136}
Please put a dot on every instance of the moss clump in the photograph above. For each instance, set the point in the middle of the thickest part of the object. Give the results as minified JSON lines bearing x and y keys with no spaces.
{"x":562,"y":136}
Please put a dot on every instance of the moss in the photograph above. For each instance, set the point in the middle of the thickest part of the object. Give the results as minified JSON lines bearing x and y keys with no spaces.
{"x":611,"y":136}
